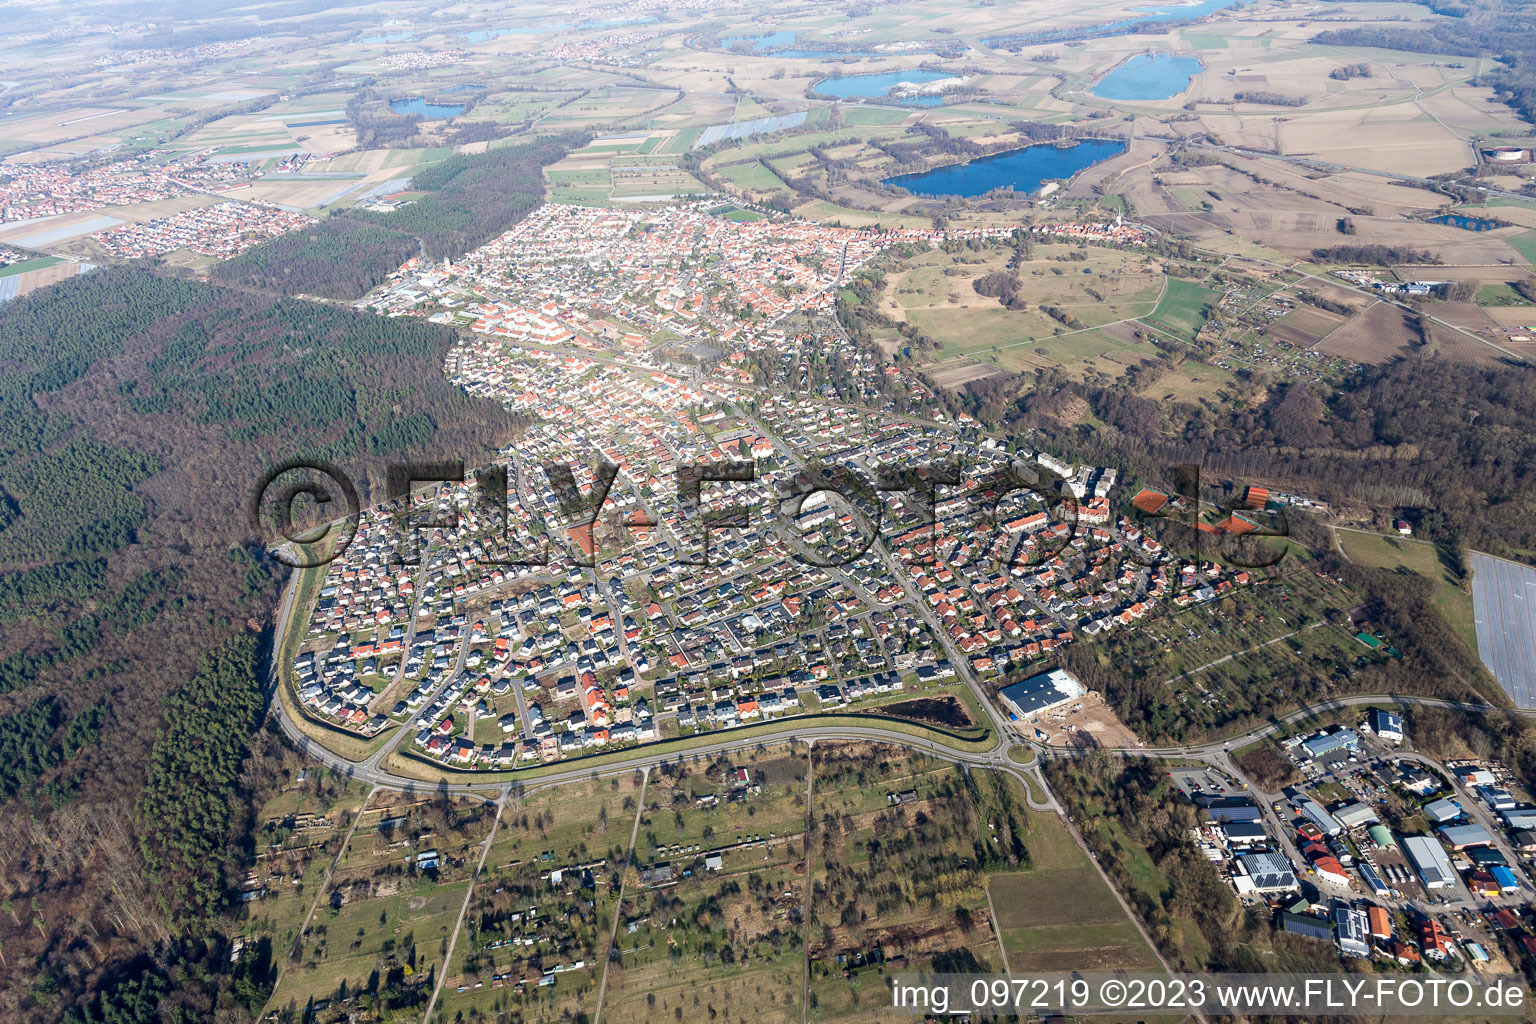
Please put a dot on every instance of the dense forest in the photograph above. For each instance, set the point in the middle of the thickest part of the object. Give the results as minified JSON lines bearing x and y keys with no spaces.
{"x":1384,"y":255}
{"x":1449,"y":443}
{"x":339,"y":258}
{"x":469,"y":201}
{"x":141,"y":412}
{"x":472,"y":199}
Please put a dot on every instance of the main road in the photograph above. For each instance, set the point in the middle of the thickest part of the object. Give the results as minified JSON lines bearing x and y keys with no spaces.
{"x":374,"y":769}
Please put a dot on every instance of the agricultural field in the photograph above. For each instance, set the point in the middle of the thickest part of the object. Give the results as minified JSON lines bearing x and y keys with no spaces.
{"x":1058,"y":915}
{"x":315,"y":124}
{"x":611,"y":106}
{"x":1305,"y":326}
{"x":1379,"y":334}
{"x":393,"y":903}
{"x":66,"y":233}
{"x":30,"y":275}
{"x":612,"y":169}
{"x":1182,"y":309}
{"x":1190,"y":382}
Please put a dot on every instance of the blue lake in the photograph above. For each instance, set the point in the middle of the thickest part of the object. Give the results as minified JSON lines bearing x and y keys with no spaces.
{"x":398,"y":37}
{"x":1149,"y":15}
{"x":1199,"y":10}
{"x":1456,"y":220}
{"x":486,"y":34}
{"x":779,"y":43}
{"x":1023,"y":169}
{"x":616,"y":22}
{"x":1149,"y":77}
{"x":781,"y":38}
{"x":878,"y":87}
{"x":429,"y":111}
{"x":825,"y":54}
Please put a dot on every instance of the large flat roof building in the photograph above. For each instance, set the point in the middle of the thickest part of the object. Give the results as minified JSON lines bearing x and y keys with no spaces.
{"x":1315,"y":813}
{"x":1441,"y":811}
{"x":1354,"y":814}
{"x":1306,"y":924}
{"x":1429,"y":860}
{"x":1387,"y":725}
{"x":1042,"y":692}
{"x":1352,"y":931}
{"x":1242,"y":833}
{"x":1328,"y":747}
{"x":1460,"y":837}
{"x":1266,"y":872}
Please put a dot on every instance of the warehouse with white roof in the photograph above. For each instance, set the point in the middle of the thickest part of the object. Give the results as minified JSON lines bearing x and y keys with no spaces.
{"x":1041,"y":693}
{"x":1429,"y":860}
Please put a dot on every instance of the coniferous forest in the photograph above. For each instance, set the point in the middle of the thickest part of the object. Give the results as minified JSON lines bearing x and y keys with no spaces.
{"x":141,"y":411}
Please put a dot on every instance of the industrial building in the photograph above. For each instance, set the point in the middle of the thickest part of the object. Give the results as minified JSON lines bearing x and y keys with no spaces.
{"x":1521,"y":817}
{"x":1354,"y":815}
{"x":1485,"y":856}
{"x":1441,"y":811}
{"x":1041,"y":693}
{"x":1352,"y":931}
{"x":1428,"y":859}
{"x":1462,"y":837}
{"x":1331,"y":747}
{"x":1224,"y":809}
{"x":1265,"y":873}
{"x":1305,"y":924}
{"x":1372,"y":880}
{"x":1314,"y":812}
{"x":1386,"y":725}
{"x":1244,"y":833}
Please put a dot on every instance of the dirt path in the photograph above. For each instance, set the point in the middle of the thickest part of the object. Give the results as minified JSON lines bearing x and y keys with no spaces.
{"x":997,"y":930}
{"x":1338,"y":545}
{"x":325,"y":884}
{"x":805,"y":909}
{"x":1239,"y":654}
{"x":469,"y":892}
{"x":618,"y":910}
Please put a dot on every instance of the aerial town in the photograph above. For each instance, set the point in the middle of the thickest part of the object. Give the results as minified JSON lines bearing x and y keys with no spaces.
{"x":684,"y":625}
{"x":670,"y":511}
